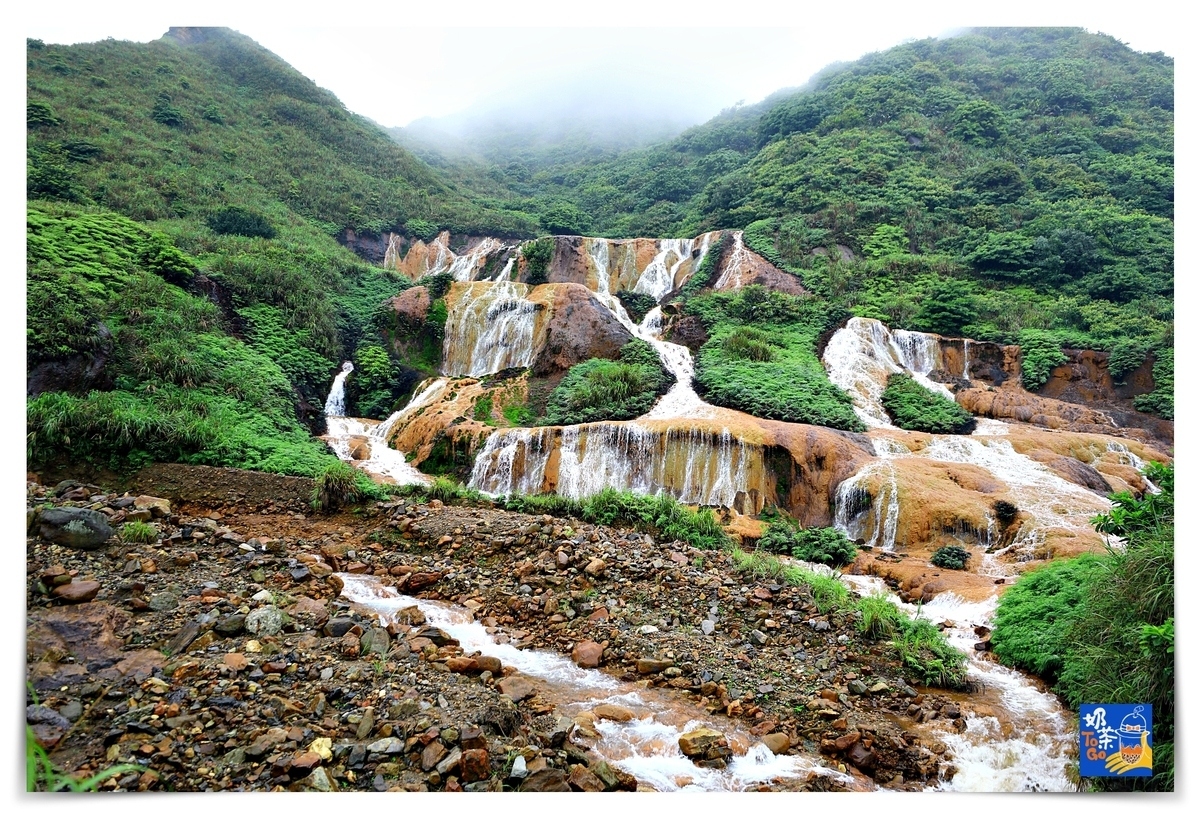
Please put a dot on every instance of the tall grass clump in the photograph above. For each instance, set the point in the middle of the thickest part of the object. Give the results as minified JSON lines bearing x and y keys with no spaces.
{"x":139,"y":532}
{"x":336,"y":487}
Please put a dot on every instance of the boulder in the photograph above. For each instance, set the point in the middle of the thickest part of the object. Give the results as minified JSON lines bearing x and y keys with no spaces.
{"x":79,"y":528}
{"x":78,"y":591}
{"x":587,"y":653}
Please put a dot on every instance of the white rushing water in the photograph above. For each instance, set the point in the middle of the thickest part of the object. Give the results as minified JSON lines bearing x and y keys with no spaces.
{"x":646,"y":747}
{"x":335,"y":404}
{"x":731,"y":273}
{"x":861,"y":355}
{"x":1031,"y":749}
{"x":490,"y":327}
{"x":695,"y":466}
{"x":368,"y":439}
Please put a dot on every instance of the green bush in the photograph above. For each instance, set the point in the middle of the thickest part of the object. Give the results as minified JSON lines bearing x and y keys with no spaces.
{"x":913,"y":407}
{"x":1040,"y":353}
{"x":537,"y":259}
{"x":880,"y":618}
{"x":238,"y":221}
{"x":951,"y":556}
{"x":1161,"y":401}
{"x":636,"y":304}
{"x":824,"y":545}
{"x":609,"y":390}
{"x":753,"y":323}
{"x":1102,"y":627}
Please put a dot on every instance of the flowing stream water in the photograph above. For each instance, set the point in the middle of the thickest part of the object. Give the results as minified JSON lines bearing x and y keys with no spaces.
{"x":646,"y":747}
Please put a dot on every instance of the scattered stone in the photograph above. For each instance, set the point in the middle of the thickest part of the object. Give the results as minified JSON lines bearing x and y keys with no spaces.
{"x":612,"y":712}
{"x":265,"y":621}
{"x":78,"y":591}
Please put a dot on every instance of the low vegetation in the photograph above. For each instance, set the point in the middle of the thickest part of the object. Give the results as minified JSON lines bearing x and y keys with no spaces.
{"x":916,"y":408}
{"x":598,"y":389}
{"x":954,"y":557}
{"x":761,"y":357}
{"x":827,"y":546}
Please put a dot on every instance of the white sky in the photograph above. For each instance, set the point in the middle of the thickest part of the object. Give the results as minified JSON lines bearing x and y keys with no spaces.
{"x":400,"y":61}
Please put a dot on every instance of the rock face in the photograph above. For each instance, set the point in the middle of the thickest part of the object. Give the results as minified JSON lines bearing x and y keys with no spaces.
{"x":411,"y":306}
{"x":578,"y":327}
{"x":548,"y":328}
{"x":80,"y":528}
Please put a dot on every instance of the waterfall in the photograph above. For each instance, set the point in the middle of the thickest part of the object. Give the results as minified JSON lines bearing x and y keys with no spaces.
{"x":658,"y":278}
{"x":426,"y":392}
{"x":464,"y":267}
{"x":966,"y":360}
{"x":695,"y":466}
{"x":861,"y":355}
{"x":731,"y":275}
{"x":335,"y":404}
{"x":856,"y":513}
{"x":490,"y":327}
{"x":391,"y":256}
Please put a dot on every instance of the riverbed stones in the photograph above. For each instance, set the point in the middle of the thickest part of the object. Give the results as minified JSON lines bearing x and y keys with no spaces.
{"x":612,"y":712}
{"x":648,"y":666}
{"x":80,"y":528}
{"x":703,"y":743}
{"x":77,"y":591}
{"x":777,"y":743}
{"x":264,"y":621}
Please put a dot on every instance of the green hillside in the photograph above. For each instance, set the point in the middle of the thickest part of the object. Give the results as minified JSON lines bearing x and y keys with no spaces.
{"x":1014,"y":185}
{"x":239,"y":176}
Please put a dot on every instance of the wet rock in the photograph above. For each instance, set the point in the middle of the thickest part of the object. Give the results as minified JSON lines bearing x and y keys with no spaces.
{"x":701,"y":742}
{"x":587,"y":653}
{"x":777,"y":743}
{"x":861,"y":757}
{"x":340,"y":626}
{"x":79,"y":528}
{"x":612,"y":712}
{"x":582,"y":779}
{"x":547,"y":780}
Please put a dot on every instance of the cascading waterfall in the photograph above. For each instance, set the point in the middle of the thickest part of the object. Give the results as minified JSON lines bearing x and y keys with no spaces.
{"x":646,"y":747}
{"x":464,"y":267}
{"x":731,"y":275}
{"x":658,"y":278}
{"x":335,"y":404}
{"x":350,"y":436}
{"x":966,"y":373}
{"x":695,"y":466}
{"x":490,"y":327}
{"x":861,"y":355}
{"x":853,"y":501}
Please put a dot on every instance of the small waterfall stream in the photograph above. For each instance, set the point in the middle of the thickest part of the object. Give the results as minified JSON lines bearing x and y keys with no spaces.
{"x":368,"y":439}
{"x":646,"y":747}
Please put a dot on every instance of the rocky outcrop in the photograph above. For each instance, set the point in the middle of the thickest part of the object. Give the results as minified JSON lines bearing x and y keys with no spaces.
{"x":370,"y":247}
{"x":1017,"y":404}
{"x":578,"y":327}
{"x":411,"y":307}
{"x":77,"y":374}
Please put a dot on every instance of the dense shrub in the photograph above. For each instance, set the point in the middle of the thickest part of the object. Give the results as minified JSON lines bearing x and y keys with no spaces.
{"x":824,"y":545}
{"x":1040,"y":353}
{"x":951,"y":556}
{"x":636,"y":304}
{"x":1102,"y":627}
{"x":537,"y":256}
{"x":761,"y":357}
{"x":912,"y":406}
{"x":336,"y":487}
{"x":238,"y":221}
{"x":609,"y":390}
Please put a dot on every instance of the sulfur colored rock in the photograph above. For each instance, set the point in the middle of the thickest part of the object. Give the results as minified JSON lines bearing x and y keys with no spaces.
{"x":777,"y":743}
{"x":697,"y":743}
{"x":582,"y":779}
{"x":516,"y":687}
{"x":612,"y":712}
{"x":647,"y":666}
